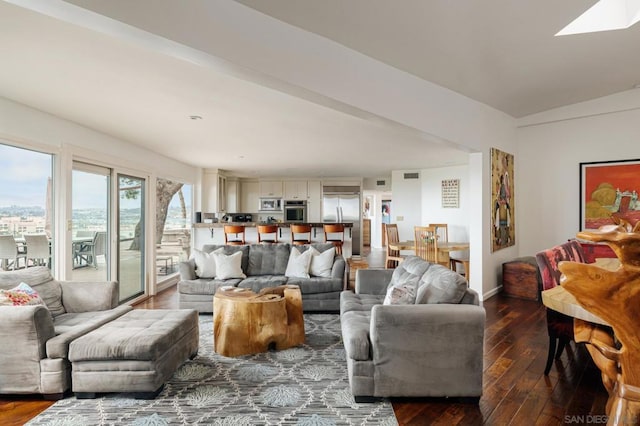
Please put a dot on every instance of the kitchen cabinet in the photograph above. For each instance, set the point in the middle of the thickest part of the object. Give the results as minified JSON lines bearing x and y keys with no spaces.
{"x":295,"y":190}
{"x":271,"y":188}
{"x":314,"y":201}
{"x":249,"y":197}
{"x":232,"y":200}
{"x":214,"y":192}
{"x":222,"y":193}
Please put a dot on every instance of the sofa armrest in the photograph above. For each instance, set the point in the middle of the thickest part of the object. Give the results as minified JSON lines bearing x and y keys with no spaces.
{"x":372,"y":281}
{"x":25,"y":330}
{"x":416,"y":348}
{"x":79,"y":296}
{"x":187,"y":270}
{"x":338,"y":268}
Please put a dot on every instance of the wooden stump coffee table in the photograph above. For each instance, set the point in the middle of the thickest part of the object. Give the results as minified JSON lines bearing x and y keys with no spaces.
{"x":245,"y":322}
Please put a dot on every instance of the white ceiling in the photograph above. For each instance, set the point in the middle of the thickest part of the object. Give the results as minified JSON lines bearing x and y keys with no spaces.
{"x":501,"y":53}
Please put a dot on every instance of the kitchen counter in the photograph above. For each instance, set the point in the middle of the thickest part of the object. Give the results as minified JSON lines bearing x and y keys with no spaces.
{"x":254,"y":224}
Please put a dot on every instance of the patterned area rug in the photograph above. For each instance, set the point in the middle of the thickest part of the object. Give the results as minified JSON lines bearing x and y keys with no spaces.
{"x":306,"y":385}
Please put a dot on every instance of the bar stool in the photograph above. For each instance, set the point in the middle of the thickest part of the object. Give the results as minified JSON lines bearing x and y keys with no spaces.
{"x":334,"y":229}
{"x":268,"y":230}
{"x":300,"y":229}
{"x":234,"y":230}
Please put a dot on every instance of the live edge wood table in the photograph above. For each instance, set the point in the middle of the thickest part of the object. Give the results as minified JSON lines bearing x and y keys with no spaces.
{"x":246,"y":323}
{"x":613,"y":298}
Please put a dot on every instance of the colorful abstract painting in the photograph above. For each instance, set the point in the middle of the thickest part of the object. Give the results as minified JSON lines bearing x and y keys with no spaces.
{"x":503,"y":229}
{"x":609,"y":192}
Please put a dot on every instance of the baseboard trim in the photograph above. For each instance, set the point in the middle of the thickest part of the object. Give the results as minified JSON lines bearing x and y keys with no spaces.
{"x":491,"y":292}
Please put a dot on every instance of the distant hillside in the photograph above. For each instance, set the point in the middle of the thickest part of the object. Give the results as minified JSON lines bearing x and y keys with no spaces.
{"x":21,"y":211}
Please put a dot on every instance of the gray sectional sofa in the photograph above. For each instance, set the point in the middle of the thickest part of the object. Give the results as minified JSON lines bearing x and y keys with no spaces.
{"x":39,"y":336}
{"x":426,"y":342}
{"x":264,"y":266}
{"x":75,"y":337}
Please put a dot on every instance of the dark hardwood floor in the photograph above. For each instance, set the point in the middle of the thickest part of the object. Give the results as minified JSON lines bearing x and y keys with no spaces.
{"x":515,"y":390}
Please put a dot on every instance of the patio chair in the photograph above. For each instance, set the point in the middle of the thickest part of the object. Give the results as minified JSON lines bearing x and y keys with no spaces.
{"x":89,"y":251}
{"x":38,"y":250}
{"x":9,"y":254}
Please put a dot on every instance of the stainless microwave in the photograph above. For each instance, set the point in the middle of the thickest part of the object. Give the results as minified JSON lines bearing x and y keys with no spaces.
{"x":270,"y":205}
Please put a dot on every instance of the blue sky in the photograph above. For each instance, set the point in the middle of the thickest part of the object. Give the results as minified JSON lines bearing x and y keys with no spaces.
{"x":23,"y":182}
{"x":23,"y":177}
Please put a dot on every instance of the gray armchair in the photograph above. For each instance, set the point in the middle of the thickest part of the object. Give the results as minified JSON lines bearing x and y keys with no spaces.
{"x":35,"y":339}
{"x":429,"y":348}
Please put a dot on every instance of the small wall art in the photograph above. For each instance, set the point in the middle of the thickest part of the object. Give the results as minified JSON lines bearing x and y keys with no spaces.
{"x":451,"y":193}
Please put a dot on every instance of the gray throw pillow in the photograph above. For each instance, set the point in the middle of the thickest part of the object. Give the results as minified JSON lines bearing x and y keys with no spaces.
{"x":404,"y":281}
{"x":441,"y":285}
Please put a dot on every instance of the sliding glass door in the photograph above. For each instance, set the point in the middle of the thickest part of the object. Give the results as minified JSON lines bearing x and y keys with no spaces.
{"x":131,"y":236}
{"x":89,"y":251}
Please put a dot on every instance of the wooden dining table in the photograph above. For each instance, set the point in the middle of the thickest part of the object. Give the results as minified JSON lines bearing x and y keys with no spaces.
{"x":444,"y":249}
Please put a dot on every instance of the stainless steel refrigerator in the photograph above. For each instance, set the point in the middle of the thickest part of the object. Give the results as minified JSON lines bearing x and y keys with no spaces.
{"x":342,"y":204}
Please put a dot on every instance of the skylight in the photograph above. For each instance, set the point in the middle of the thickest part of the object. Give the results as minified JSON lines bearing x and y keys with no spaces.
{"x":605,"y":15}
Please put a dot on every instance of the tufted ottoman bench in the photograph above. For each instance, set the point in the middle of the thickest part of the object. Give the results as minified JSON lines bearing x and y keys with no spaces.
{"x":137,"y":352}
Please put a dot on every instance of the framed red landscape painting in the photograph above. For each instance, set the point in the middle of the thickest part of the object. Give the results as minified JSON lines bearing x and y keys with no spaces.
{"x":609,"y":190}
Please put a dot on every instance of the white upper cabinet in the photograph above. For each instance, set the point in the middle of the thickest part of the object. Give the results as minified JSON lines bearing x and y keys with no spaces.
{"x":250,"y":197}
{"x":214,"y":192}
{"x":271,"y":188}
{"x":232,"y":201}
{"x":295,"y":190}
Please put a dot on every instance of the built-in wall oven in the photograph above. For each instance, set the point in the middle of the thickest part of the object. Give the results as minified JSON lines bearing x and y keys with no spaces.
{"x":295,"y":211}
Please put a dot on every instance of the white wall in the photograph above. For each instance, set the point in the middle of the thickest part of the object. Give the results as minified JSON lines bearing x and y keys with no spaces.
{"x":20,"y":123}
{"x":432,"y":210}
{"x":548,"y":158}
{"x":406,"y":207}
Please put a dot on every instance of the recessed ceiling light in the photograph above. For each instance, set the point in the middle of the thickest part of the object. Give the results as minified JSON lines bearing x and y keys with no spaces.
{"x":195,"y":117}
{"x":605,"y":15}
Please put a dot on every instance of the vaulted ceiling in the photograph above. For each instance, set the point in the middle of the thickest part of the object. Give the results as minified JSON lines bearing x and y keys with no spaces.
{"x":58,"y":57}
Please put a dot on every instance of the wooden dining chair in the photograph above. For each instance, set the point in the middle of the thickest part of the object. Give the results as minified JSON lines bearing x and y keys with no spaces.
{"x":334,"y":233}
{"x":271,"y":231}
{"x":442,"y":230}
{"x":559,"y":326}
{"x":393,"y":256}
{"x":426,"y":243}
{"x":300,"y":234}
{"x":234,"y":235}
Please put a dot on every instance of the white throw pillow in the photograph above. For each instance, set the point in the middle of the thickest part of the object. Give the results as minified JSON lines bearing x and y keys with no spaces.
{"x":321,"y":263}
{"x":228,"y":266}
{"x":205,"y":263}
{"x":298,"y":265}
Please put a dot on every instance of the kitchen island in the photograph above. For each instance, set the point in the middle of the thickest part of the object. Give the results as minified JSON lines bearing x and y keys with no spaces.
{"x":213,"y":233}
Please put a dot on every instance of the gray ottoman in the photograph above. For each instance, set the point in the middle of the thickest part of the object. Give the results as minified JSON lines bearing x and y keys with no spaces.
{"x":136,"y":352}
